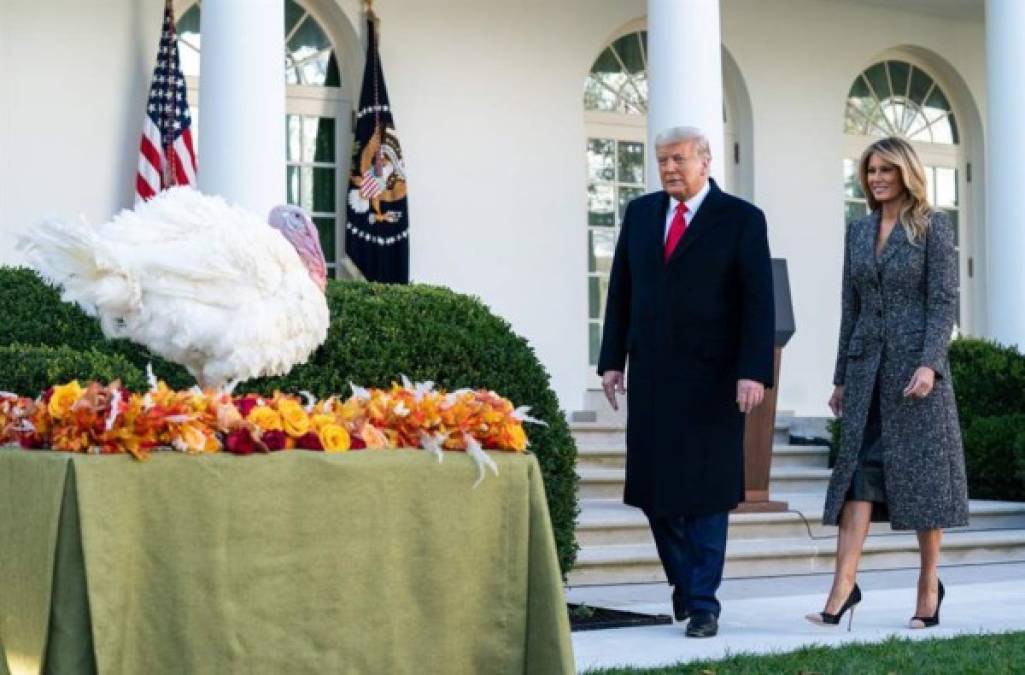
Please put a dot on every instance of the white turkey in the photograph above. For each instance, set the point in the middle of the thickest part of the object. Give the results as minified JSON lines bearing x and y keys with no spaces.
{"x":200,"y":282}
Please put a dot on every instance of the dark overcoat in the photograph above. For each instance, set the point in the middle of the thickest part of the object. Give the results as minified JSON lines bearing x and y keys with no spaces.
{"x":898,"y":314}
{"x":688,"y":328}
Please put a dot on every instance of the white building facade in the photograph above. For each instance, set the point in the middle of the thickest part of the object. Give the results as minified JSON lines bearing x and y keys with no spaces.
{"x":526,"y":127}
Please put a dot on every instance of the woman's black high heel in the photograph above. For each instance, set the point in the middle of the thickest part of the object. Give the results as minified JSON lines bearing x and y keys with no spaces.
{"x":929,"y":621}
{"x":827,"y":619}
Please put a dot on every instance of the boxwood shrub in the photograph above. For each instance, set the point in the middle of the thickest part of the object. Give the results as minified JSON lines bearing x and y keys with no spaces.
{"x":378,"y":333}
{"x":28,"y":370}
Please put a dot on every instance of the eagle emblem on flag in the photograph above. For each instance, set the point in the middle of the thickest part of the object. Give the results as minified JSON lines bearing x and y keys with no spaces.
{"x":381,"y":178}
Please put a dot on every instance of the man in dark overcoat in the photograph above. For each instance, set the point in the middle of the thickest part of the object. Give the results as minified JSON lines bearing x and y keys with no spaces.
{"x":690,"y":310}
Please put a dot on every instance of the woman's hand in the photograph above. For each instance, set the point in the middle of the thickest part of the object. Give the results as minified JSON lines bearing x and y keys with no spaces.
{"x":836,"y":401}
{"x":921,"y":383}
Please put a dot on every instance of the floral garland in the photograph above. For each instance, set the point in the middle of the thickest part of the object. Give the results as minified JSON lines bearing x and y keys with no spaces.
{"x":110,"y":419}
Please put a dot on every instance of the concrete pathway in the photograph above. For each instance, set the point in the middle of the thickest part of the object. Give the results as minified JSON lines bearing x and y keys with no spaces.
{"x":766,"y":615}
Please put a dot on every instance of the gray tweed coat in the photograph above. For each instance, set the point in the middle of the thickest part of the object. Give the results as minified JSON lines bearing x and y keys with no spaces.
{"x":898,"y":314}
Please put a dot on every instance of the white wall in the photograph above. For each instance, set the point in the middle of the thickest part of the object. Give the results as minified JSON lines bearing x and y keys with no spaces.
{"x":488,"y":99}
{"x":73,"y":81}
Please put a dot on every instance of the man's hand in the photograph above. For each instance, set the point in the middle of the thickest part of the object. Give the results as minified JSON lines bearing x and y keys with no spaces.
{"x":612,"y":383}
{"x":749,"y":395}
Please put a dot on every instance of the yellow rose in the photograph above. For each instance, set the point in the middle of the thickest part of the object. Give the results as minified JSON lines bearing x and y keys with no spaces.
{"x":334,"y":438}
{"x":296,"y":421}
{"x":63,"y":397}
{"x":320,"y":421}
{"x":265,"y":418}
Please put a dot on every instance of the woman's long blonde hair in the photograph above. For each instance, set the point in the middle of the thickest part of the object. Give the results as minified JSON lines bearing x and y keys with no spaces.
{"x":916,"y":211}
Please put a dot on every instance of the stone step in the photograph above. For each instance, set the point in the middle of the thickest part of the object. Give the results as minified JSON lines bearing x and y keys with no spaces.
{"x":783,"y":456}
{"x":598,"y":434}
{"x":786,"y":456}
{"x":610,"y":522}
{"x":607,"y":482}
{"x":606,"y":521}
{"x":605,"y":433}
{"x":634,"y":563}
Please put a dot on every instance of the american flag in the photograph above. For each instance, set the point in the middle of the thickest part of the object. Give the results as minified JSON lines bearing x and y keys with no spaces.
{"x":166,"y":157}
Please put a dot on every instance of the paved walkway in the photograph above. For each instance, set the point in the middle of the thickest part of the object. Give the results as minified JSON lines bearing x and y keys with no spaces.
{"x":767,"y":615}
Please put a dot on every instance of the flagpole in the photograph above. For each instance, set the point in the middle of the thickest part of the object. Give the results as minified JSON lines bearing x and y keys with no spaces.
{"x":170,"y":171}
{"x":373,"y":23}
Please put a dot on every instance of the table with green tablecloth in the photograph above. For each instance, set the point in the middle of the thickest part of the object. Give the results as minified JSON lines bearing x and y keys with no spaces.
{"x":292,"y":562}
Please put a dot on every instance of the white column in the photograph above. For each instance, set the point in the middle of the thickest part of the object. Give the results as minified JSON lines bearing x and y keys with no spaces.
{"x":1005,"y":148}
{"x":242,"y":95}
{"x":685,"y":74}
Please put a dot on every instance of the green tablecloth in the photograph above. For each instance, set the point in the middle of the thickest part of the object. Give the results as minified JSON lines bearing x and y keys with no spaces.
{"x":294,"y":562}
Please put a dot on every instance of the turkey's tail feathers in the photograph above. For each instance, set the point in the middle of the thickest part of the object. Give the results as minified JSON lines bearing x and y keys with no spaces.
{"x":70,"y":254}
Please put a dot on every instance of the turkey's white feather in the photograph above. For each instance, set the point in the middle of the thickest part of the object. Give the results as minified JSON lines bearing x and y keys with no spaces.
{"x":197,"y":281}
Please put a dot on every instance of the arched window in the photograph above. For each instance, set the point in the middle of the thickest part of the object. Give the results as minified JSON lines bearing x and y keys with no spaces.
{"x":618,"y":81}
{"x":317,"y":116}
{"x":896,"y":97}
{"x":893,"y":98}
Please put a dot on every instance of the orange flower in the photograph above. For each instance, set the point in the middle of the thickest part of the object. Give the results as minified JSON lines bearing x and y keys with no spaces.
{"x":373,"y":436}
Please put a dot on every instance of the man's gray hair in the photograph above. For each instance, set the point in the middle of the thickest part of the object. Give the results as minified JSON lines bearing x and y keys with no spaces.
{"x":674,"y":135}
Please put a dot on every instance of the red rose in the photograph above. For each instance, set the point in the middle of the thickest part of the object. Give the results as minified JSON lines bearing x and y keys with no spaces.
{"x":47,"y":395}
{"x":246,"y":403}
{"x":274,"y":439}
{"x":240,"y":442}
{"x":31,"y":442}
{"x":310,"y":441}
{"x":357,"y":443}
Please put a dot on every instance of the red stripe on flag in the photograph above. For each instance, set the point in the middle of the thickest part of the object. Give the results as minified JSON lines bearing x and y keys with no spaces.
{"x":142,"y":188}
{"x":181,"y":177}
{"x":150,"y":152}
{"x":187,"y":137}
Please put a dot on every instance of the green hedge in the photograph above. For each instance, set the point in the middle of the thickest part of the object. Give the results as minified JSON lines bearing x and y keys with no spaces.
{"x":833,"y":427}
{"x":378,"y":332}
{"x":989,"y":381}
{"x":29,"y":369}
{"x":992,"y":459}
{"x":33,"y":314}
{"x":1019,"y":456}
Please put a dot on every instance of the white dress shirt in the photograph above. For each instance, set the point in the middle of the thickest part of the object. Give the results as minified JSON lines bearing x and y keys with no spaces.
{"x":692,"y":207}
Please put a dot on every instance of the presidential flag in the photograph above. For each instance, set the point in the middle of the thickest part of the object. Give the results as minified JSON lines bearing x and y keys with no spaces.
{"x":377,"y":214}
{"x":166,"y":155}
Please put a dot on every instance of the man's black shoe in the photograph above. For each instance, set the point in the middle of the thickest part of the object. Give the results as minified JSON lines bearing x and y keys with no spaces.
{"x":679,"y":610}
{"x":702,"y":624}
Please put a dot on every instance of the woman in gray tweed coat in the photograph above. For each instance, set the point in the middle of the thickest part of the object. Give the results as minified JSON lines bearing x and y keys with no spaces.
{"x":901,"y":457}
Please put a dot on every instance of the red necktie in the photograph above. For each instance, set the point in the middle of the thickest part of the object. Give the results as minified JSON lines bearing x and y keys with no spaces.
{"x":676,"y":230}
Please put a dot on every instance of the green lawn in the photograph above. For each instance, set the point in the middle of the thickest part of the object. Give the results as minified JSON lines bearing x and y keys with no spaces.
{"x":971,"y":654}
